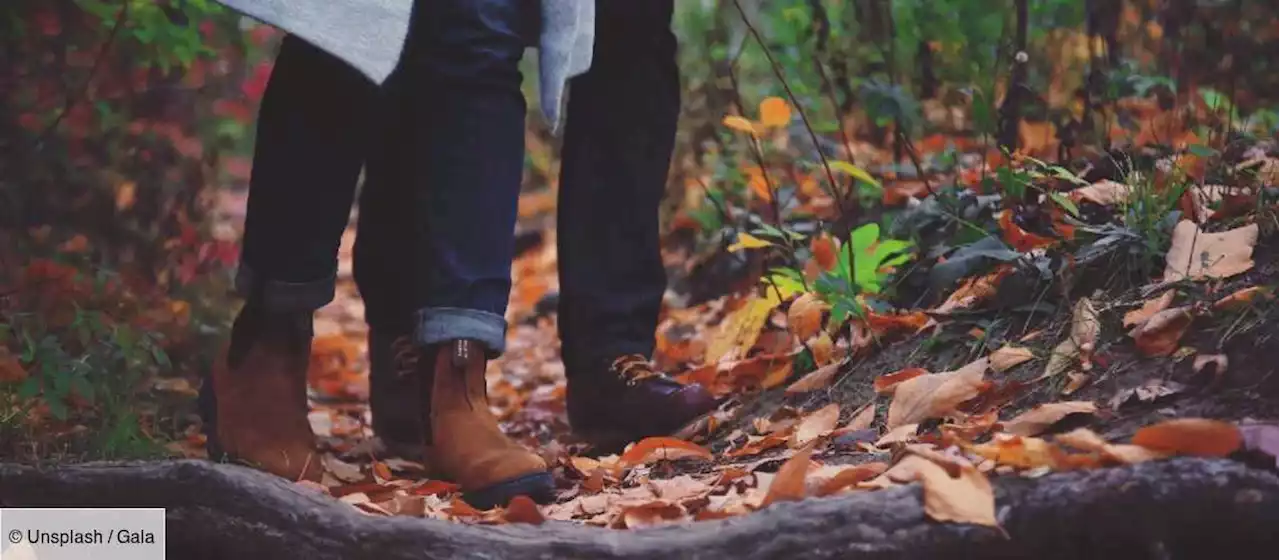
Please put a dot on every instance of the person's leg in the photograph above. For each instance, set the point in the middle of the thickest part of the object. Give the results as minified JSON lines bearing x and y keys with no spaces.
{"x":618,"y":141}
{"x":307,"y":156}
{"x":383,"y":274}
{"x":468,"y":118}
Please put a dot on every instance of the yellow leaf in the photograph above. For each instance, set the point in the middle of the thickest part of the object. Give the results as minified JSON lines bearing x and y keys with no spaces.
{"x":854,"y":171}
{"x":740,"y":124}
{"x":748,"y":241}
{"x":774,"y":112}
{"x":741,"y":328}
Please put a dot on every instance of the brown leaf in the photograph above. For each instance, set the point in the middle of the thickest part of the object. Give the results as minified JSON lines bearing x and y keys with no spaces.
{"x":804,"y":317}
{"x":967,"y":498}
{"x":434,"y":488}
{"x":884,"y":325}
{"x":822,"y":348}
{"x":863,"y":418}
{"x":1148,"y":309}
{"x":77,"y":244}
{"x":820,"y":423}
{"x":824,"y":251}
{"x":11,"y":370}
{"x":974,"y":291}
{"x":1191,"y":436}
{"x":758,"y":445}
{"x":523,"y":510}
{"x":381,"y":471}
{"x":901,"y":434}
{"x":1019,"y":451}
{"x":1105,"y":192}
{"x":1197,"y":254}
{"x":885,"y":384}
{"x":1149,"y":391}
{"x":1009,"y":356}
{"x":653,"y":449}
{"x":1159,"y":335}
{"x":817,"y":379}
{"x":1074,"y":352}
{"x":788,"y":484}
{"x":1240,"y":299}
{"x":1038,"y":419}
{"x":850,"y":476}
{"x":936,"y":395}
{"x":650,"y":514}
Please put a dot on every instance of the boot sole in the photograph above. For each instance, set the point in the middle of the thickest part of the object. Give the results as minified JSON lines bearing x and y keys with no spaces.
{"x":537,"y":486}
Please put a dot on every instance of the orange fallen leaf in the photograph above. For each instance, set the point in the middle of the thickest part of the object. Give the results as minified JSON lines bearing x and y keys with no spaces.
{"x":77,"y":244}
{"x":863,"y":418}
{"x":789,"y":483}
{"x":523,"y":510}
{"x":822,"y":348}
{"x":974,"y":291}
{"x":652,"y":513}
{"x":1242,"y":298}
{"x":817,"y":424}
{"x":1038,"y":419}
{"x":885,"y":384}
{"x":901,"y":434}
{"x":935,"y":395}
{"x":653,"y":449}
{"x":890,"y":323}
{"x":1019,"y":239}
{"x":1191,"y":436}
{"x":849,"y":477}
{"x":1149,"y":308}
{"x":817,"y":379}
{"x":758,"y":445}
{"x":804,"y":317}
{"x":434,"y":488}
{"x":1159,"y":335}
{"x":1020,"y":451}
{"x":381,"y":471}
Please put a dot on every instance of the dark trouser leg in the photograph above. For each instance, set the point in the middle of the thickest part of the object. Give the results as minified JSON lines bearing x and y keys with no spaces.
{"x":308,"y":153}
{"x":468,"y":163}
{"x":618,"y":142}
{"x":383,"y":269}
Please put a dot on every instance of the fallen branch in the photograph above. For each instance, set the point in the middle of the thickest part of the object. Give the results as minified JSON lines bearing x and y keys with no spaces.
{"x":1184,"y":508}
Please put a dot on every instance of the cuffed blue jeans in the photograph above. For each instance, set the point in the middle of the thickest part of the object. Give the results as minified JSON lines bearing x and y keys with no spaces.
{"x":448,"y":127}
{"x":620,"y":132}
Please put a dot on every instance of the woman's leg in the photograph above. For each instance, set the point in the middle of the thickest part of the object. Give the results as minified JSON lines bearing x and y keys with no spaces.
{"x":307,"y":157}
{"x":617,"y":149}
{"x":468,"y":116}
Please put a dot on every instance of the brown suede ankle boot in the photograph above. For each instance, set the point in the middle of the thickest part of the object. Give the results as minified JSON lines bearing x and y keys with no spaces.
{"x":463,"y":441}
{"x":260,"y":395}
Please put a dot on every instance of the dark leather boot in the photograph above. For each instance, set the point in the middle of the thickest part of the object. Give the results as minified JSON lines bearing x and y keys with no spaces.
{"x":463,"y":440}
{"x":395,"y":393}
{"x":626,"y":400}
{"x":256,"y":395}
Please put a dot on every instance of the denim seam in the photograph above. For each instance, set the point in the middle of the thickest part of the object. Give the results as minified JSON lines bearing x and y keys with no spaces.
{"x":441,"y":324}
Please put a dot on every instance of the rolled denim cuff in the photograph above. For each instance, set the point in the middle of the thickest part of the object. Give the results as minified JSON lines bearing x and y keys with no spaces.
{"x":442,"y":324}
{"x":284,"y":296}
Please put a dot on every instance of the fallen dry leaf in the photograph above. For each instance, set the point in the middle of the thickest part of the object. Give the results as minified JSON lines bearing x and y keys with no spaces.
{"x":1105,"y":192}
{"x":521,"y":509}
{"x":1240,"y":299}
{"x":1040,"y":418}
{"x":759,"y":444}
{"x":1204,"y":361}
{"x":1020,"y":451}
{"x":1148,"y":391}
{"x":804,"y":317}
{"x":887,"y":324}
{"x":653,"y":449}
{"x":901,"y":434}
{"x":1197,"y":254}
{"x":849,"y":476}
{"x":1074,"y":352}
{"x":885,"y":384}
{"x":820,"y":423}
{"x":974,"y":291}
{"x":1009,"y":356}
{"x":935,"y":395}
{"x":967,"y":498}
{"x":862,"y":419}
{"x":822,"y":348}
{"x":1159,"y":335}
{"x":1190,"y":436}
{"x":739,"y":331}
{"x":1261,"y":438}
{"x":1149,"y":309}
{"x":650,"y":514}
{"x":817,"y":379}
{"x":11,"y":370}
{"x":789,"y":483}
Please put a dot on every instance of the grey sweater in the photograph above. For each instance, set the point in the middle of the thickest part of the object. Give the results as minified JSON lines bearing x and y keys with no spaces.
{"x":369,"y":35}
